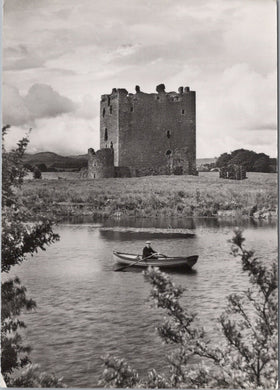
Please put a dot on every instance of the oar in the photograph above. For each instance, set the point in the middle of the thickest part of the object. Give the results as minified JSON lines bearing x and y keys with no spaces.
{"x":130,"y":265}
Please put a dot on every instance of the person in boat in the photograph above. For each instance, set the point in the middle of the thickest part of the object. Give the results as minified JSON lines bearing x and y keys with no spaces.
{"x":149,"y":252}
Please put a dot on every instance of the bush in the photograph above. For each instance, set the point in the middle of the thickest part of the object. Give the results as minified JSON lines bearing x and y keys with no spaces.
{"x":20,"y":239}
{"x":247,"y":355}
{"x":37,"y":173}
{"x":251,"y":161}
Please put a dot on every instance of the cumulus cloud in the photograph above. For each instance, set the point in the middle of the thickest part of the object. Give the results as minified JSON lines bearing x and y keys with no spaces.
{"x":88,"y":107}
{"x":65,"y":135}
{"x":41,"y":101}
{"x":14,"y":109}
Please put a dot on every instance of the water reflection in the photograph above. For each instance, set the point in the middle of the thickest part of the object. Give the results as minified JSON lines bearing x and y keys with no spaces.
{"x":116,"y":235}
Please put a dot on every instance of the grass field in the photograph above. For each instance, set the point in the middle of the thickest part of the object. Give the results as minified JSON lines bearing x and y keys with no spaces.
{"x":203,"y":195}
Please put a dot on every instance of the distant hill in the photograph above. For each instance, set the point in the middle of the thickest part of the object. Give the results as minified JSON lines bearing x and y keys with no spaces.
{"x":54,"y":161}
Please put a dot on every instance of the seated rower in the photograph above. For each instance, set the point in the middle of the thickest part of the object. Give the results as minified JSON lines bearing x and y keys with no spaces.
{"x":149,"y":252}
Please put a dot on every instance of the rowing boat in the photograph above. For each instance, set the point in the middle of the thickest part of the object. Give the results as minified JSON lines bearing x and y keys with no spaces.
{"x":161,"y":262}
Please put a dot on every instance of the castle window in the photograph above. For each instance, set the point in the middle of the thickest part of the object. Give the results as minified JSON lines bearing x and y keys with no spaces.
{"x":131,"y":109}
{"x":106,"y":135}
{"x":168,"y":153}
{"x":183,"y":112}
{"x":111,"y":109}
{"x":168,"y":134}
{"x":103,"y":113}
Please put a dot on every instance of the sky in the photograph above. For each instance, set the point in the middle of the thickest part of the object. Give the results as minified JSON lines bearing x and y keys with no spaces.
{"x":60,"y":56}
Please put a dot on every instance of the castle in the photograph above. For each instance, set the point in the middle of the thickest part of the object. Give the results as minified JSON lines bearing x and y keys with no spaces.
{"x":145,"y":134}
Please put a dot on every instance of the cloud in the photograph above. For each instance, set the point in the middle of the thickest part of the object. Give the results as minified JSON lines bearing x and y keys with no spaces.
{"x":225,"y":50}
{"x":65,"y":135}
{"x":20,"y":58}
{"x":14,"y":109}
{"x":250,"y":98}
{"x":88,"y":108}
{"x":41,"y":101}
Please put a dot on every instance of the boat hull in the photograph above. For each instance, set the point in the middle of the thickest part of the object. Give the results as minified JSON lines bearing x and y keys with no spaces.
{"x":162,"y":262}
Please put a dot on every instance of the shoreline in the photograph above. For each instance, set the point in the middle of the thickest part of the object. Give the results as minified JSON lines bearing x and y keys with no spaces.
{"x":73,"y":211}
{"x":205,"y":196}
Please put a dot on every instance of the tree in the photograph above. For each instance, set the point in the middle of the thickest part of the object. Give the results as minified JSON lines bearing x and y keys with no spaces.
{"x":37,"y":173}
{"x":223,"y":160}
{"x":23,"y":233}
{"x":247,"y":355}
{"x":262,"y":164}
{"x":42,"y":167}
{"x":244,"y":157}
{"x":29,"y":167}
{"x":250,"y":160}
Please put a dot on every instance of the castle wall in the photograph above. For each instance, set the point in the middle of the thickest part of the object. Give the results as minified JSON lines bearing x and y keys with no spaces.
{"x":109,"y":114}
{"x":159,"y":123}
{"x":147,"y":131}
{"x":143,"y":127}
{"x":101,"y":163}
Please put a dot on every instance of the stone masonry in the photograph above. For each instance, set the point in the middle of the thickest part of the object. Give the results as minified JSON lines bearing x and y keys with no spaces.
{"x":145,"y":134}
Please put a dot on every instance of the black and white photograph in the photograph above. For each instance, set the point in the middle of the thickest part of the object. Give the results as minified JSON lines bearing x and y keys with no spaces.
{"x":139,"y":243}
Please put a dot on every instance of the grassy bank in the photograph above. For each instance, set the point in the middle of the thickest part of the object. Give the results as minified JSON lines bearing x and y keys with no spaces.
{"x":181,"y":196}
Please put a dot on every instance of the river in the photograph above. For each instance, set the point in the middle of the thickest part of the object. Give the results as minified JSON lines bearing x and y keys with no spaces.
{"x":85,"y":310}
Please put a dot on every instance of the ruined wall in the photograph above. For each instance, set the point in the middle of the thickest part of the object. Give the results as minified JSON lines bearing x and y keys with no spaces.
{"x":182,"y":162}
{"x":109,"y":125}
{"x":101,"y":163}
{"x":233,"y":172}
{"x":123,"y":172}
{"x":146,"y":129}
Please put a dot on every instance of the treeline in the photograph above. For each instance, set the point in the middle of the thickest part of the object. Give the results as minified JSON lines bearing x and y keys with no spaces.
{"x":251,"y":161}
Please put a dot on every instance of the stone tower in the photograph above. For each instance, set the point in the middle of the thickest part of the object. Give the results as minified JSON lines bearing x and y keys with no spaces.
{"x":150,"y":133}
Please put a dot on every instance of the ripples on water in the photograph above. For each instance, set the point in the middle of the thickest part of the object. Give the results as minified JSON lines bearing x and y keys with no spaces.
{"x":85,"y":310}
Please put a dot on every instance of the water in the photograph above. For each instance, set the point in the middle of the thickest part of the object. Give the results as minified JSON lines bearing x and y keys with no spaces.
{"x":85,"y":310}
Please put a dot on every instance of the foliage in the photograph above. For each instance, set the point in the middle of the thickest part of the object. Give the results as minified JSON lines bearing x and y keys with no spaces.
{"x":31,"y":376}
{"x":37,"y":173}
{"x":42,"y":167}
{"x":14,"y":300}
{"x":224,"y":159}
{"x":247,"y":355}
{"x":118,"y":373}
{"x":28,"y":167}
{"x":251,"y":161}
{"x":262,"y":164}
{"x":20,"y":238}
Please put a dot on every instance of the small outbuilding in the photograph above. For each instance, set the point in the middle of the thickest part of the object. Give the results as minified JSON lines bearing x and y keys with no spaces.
{"x":233,"y":172}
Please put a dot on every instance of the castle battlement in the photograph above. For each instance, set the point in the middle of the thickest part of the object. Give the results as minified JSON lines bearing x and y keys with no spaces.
{"x":160,"y":95}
